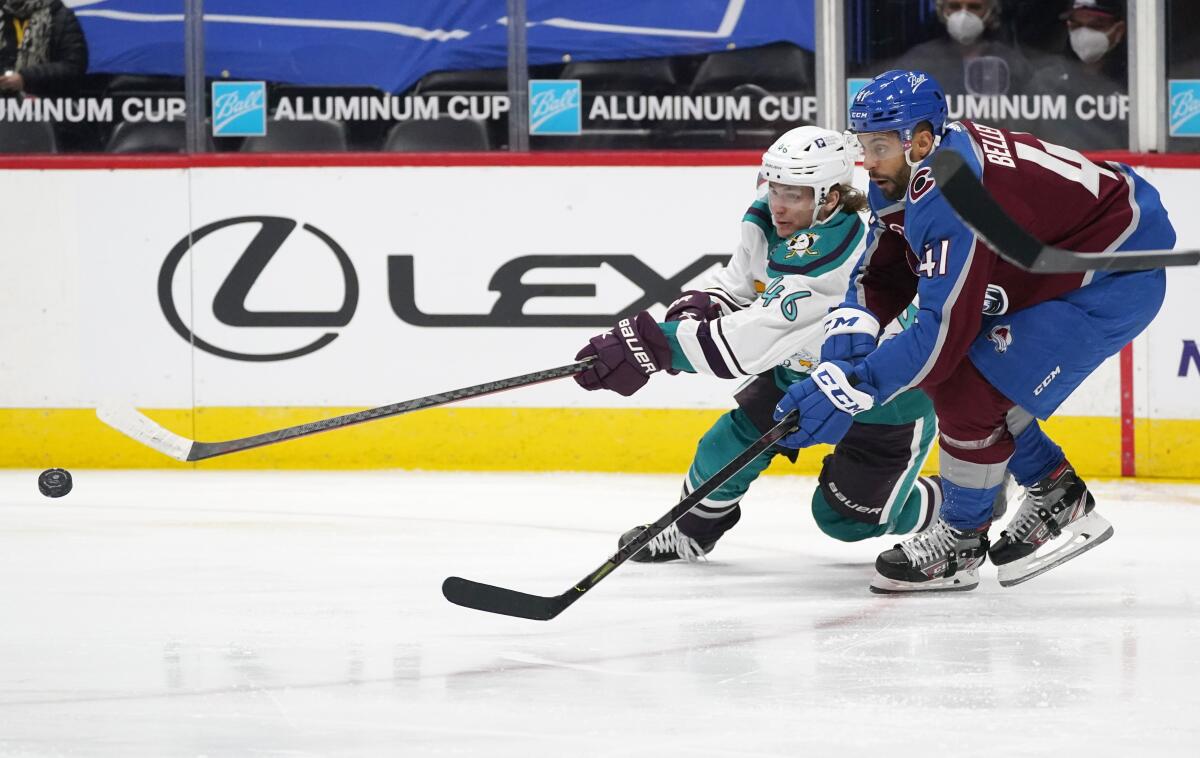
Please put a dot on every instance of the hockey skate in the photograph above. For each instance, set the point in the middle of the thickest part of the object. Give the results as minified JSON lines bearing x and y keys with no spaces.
{"x":1058,"y":504}
{"x":939,"y":559}
{"x":670,"y":545}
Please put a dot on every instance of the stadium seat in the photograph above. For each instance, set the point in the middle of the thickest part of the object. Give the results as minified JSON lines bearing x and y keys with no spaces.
{"x":597,"y":139}
{"x":148,"y":137}
{"x":152,"y":137}
{"x":647,"y":76}
{"x":27,"y":137}
{"x":486,"y":80}
{"x":721,"y":139}
{"x":441,"y":135}
{"x":777,"y":67}
{"x":299,"y":137}
{"x":131,"y":84}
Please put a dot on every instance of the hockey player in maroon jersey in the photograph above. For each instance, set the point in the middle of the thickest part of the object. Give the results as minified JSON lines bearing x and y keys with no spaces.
{"x":991,"y":375}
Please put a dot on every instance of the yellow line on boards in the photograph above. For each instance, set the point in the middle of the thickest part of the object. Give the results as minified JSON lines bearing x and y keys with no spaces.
{"x":506,"y":439}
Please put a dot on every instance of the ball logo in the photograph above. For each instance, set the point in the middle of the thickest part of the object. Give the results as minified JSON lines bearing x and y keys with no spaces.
{"x":555,"y":106}
{"x":1185,"y":108}
{"x":239,"y":109}
{"x":229,"y":303}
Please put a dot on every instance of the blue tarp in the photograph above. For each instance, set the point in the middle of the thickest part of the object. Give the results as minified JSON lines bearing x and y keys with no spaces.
{"x":390,"y":45}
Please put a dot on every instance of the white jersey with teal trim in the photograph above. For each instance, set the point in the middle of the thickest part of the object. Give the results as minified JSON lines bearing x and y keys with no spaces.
{"x":773,"y":294}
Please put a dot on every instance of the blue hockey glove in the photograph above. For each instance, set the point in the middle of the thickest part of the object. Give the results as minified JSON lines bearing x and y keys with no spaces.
{"x":827,"y":402}
{"x":851,"y":333}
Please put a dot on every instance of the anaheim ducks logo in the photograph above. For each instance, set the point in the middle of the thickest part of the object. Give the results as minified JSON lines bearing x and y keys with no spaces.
{"x":802,"y":244}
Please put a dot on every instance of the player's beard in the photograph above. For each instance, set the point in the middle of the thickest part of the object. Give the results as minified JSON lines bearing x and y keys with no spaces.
{"x":894,"y":189}
{"x":889,"y":190}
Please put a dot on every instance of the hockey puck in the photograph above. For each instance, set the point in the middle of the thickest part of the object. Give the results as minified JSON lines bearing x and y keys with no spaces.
{"x":55,"y":482}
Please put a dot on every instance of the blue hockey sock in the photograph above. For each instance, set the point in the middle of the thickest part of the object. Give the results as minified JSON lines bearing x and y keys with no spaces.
{"x":967,"y":508}
{"x":1035,"y":457}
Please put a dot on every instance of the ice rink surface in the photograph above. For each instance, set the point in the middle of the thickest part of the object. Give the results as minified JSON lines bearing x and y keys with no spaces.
{"x":300,"y":614}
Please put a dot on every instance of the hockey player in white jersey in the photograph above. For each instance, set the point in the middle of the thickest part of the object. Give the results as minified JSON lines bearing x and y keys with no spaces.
{"x":766,"y":316}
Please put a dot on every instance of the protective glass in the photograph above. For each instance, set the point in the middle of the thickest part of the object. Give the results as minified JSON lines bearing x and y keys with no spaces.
{"x":1021,"y":70}
{"x":788,"y":196}
{"x":1183,"y":76}
{"x":879,"y":146}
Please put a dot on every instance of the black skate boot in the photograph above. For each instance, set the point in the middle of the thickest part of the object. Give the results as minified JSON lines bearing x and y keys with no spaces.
{"x":1057,"y":504}
{"x":939,"y":559}
{"x":670,"y":545}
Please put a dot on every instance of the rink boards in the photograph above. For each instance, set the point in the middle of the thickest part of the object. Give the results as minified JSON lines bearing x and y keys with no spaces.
{"x":230,"y":300}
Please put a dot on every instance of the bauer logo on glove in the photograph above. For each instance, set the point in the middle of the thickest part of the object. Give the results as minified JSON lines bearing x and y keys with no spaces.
{"x":625,"y":356}
{"x":635,"y":347}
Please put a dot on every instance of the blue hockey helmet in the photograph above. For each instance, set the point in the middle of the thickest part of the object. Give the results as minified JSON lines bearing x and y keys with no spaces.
{"x":899,"y":100}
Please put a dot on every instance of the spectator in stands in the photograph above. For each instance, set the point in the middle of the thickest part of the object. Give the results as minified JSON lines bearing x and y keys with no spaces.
{"x":970,"y":59}
{"x":1092,"y":74}
{"x":42,"y":48}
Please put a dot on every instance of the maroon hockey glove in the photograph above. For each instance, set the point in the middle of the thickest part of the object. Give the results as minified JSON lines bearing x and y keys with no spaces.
{"x":693,"y":304}
{"x":625,"y":356}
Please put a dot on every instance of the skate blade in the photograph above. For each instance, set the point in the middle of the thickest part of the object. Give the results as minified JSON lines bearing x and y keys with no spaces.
{"x":1085,"y":534}
{"x":960,"y":582}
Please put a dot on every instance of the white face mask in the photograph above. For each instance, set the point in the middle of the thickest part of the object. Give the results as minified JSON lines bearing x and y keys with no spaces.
{"x":964,"y":26}
{"x":1089,"y":44}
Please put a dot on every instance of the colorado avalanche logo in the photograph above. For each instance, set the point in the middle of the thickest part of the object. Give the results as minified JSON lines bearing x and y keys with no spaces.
{"x":802,"y":244}
{"x":921,"y":183}
{"x":1001,"y":337}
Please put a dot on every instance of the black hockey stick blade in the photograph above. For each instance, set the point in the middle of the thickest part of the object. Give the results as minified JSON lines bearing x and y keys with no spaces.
{"x":506,"y":602}
{"x":980,"y":211}
{"x":141,"y":428}
{"x":485,"y":597}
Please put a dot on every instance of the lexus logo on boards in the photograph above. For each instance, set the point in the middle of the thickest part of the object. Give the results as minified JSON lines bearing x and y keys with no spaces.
{"x":242,"y":255}
{"x":229,"y":305}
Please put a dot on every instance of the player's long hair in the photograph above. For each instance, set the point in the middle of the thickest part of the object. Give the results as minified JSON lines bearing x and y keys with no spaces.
{"x":853,"y":200}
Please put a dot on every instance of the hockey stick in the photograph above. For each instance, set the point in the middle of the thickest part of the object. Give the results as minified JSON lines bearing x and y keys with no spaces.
{"x":976,"y":207}
{"x":486,"y":597}
{"x":138,"y":426}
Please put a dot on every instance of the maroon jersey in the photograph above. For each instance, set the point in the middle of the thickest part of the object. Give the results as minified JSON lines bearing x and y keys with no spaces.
{"x":919,"y":246}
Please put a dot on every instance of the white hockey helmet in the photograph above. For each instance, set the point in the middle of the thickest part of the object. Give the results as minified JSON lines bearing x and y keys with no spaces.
{"x":809,"y":156}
